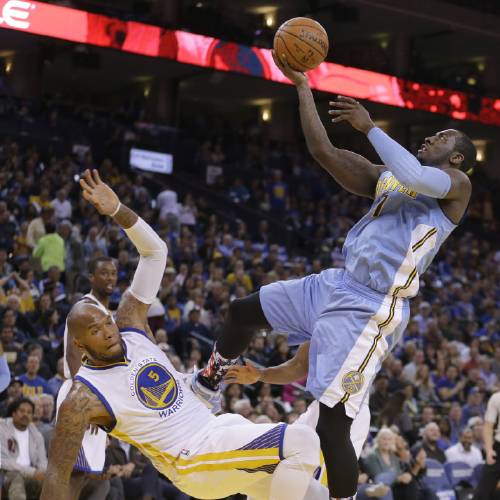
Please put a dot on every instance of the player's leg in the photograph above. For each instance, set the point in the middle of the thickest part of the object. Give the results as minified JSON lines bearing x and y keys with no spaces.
{"x":301,"y":458}
{"x":289,"y":307}
{"x":244,"y":318}
{"x":349,"y":341}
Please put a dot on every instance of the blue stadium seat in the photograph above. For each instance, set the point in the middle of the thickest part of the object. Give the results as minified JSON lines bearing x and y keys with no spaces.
{"x":457,"y":472}
{"x":437,"y":480}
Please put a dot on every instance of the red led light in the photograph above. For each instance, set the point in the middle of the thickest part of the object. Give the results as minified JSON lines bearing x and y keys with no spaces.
{"x":138,"y":38}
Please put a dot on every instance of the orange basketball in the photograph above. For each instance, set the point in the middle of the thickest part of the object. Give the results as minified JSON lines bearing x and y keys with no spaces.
{"x":303,"y":41}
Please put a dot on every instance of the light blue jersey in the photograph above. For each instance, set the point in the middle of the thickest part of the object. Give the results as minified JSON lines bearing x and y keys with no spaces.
{"x":354,"y":317}
{"x":399,"y":236}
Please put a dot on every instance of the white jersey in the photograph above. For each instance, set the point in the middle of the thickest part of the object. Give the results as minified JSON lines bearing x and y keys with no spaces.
{"x":152,"y":407}
{"x":90,"y":297}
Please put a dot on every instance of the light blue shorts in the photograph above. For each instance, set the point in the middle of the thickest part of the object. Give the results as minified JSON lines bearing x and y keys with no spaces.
{"x":351,"y":328}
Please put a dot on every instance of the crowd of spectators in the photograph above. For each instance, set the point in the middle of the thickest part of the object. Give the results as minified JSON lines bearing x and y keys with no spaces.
{"x":429,"y":398}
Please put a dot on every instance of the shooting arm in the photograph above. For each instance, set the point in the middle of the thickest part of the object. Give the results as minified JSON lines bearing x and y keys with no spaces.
{"x":80,"y":408}
{"x":353,"y":172}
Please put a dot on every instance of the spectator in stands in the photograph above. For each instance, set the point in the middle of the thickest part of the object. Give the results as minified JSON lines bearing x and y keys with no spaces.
{"x":455,"y":422}
{"x":62,"y":206}
{"x":14,"y":392}
{"x":476,"y":424}
{"x":8,"y":228}
{"x":475,"y":406}
{"x":33,"y":384}
{"x":411,"y":369}
{"x":37,"y":227}
{"x":450,"y":387}
{"x":43,"y":416}
{"x":95,"y":243}
{"x":430,"y":438}
{"x":24,"y":458}
{"x":50,"y":249}
{"x":380,"y":393}
{"x":384,"y":459}
{"x":464,"y":451}
{"x":55,"y":382}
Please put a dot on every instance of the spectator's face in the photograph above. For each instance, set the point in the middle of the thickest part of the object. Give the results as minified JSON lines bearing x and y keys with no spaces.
{"x":451,"y":373}
{"x":477,"y":433}
{"x":7,"y":335}
{"x":32,"y":365}
{"x":54,"y":274}
{"x":466,"y":439}
{"x":161,"y":336}
{"x":23,"y":416}
{"x":432,"y":433}
{"x":385,"y":442}
{"x":104,"y":278}
{"x":194,"y":316}
{"x":427,"y":415}
{"x":455,"y":413}
{"x":47,"y":408}
{"x":9,"y":318}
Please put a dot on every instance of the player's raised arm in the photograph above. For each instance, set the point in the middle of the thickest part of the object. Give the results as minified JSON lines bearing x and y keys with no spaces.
{"x":292,"y":370}
{"x":352,"y":171}
{"x":80,"y":408}
{"x":133,"y":308}
{"x":443,"y":183}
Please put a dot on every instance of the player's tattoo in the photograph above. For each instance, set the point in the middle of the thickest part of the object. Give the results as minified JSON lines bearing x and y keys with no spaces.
{"x":80,"y":407}
{"x":125,"y":217}
{"x":133,"y":313}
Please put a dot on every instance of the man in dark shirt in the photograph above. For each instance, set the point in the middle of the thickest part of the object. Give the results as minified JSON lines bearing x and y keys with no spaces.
{"x":430,"y":438}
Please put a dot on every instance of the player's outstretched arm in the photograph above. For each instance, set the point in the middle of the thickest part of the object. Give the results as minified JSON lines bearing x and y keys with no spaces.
{"x":133,"y":308}
{"x":286,"y":373}
{"x":352,"y":171}
{"x":447,"y":184}
{"x":80,"y":408}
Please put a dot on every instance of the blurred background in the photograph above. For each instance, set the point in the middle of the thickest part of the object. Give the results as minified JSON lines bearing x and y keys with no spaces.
{"x":195,"y":135}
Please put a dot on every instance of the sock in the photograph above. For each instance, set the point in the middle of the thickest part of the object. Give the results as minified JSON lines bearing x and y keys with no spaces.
{"x":212,"y":375}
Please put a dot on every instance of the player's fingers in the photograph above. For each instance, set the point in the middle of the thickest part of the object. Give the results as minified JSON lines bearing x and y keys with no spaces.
{"x":86,"y":195}
{"x":339,"y":119}
{"x":342,"y":105}
{"x":85,"y":185}
{"x":87,"y":175}
{"x":276,"y":59}
{"x":230,"y":380}
{"x":347,"y":99}
{"x":284,"y":61}
{"x":249,"y":363}
{"x":336,"y":112}
{"x":96,"y":176}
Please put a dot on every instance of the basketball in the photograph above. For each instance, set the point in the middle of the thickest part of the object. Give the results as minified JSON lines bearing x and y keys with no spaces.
{"x":303,"y":41}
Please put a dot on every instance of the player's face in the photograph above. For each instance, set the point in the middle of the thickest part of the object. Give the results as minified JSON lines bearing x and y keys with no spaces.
{"x":102,"y":340}
{"x":103,"y":281}
{"x":437,"y":149}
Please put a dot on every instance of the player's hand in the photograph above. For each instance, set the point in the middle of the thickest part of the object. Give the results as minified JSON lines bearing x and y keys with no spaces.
{"x":128,"y":469}
{"x":98,"y":193}
{"x":491,"y":457}
{"x":238,"y":374}
{"x":296,"y":77}
{"x":93,"y":429}
{"x":350,"y":110}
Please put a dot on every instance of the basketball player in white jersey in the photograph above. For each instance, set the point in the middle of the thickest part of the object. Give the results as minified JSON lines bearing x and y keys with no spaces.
{"x":127,"y":386}
{"x":102,"y":277}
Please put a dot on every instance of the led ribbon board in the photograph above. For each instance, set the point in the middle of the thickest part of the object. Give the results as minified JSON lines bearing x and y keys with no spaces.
{"x":138,"y":38}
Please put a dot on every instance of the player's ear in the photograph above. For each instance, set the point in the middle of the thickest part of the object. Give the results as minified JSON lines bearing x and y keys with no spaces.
{"x":456,"y":159}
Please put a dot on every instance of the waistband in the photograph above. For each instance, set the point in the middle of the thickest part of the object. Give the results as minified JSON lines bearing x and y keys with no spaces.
{"x":387,"y":299}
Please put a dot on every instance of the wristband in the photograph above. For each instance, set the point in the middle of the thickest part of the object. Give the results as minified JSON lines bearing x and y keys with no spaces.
{"x":117,"y":210}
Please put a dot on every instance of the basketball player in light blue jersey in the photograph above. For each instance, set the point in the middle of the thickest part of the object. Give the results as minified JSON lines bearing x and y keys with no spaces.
{"x":353,"y":317}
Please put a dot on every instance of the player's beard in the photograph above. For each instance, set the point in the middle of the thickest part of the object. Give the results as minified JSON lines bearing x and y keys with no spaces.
{"x":107,"y":358}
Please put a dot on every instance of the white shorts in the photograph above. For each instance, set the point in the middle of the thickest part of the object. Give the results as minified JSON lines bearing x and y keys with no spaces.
{"x":234,"y":457}
{"x":93,"y":450}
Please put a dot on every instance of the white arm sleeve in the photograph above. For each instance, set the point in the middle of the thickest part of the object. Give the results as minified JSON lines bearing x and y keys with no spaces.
{"x":149,"y":272}
{"x":430,"y":181}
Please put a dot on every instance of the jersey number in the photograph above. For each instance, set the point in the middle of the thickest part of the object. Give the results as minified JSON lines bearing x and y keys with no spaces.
{"x":152,"y":374}
{"x":380,"y":205}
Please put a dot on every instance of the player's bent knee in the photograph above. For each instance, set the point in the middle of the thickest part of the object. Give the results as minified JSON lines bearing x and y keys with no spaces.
{"x":302,"y":443}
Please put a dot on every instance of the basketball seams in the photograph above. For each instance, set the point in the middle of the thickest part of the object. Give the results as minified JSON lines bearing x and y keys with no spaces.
{"x":292,"y":55}
{"x":306,"y":43}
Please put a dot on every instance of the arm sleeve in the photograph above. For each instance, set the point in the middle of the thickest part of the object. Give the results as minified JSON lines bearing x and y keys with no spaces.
{"x":4,"y":374}
{"x":429,"y":181}
{"x":153,"y":252}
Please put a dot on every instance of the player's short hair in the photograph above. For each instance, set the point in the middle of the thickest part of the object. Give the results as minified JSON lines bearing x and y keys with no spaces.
{"x":95,"y":262}
{"x":466,"y":147}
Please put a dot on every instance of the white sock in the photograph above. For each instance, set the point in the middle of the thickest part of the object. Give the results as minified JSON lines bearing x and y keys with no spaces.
{"x":292,"y":477}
